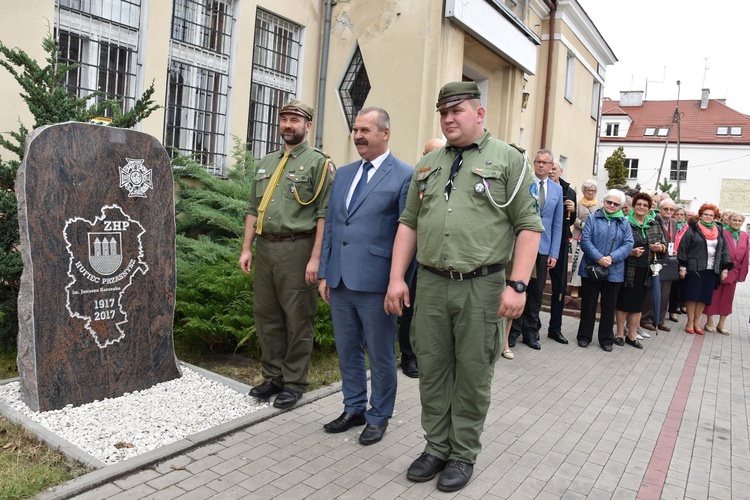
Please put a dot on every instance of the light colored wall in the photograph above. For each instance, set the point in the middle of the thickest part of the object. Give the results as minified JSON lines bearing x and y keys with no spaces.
{"x":709,"y":167}
{"x":25,"y":32}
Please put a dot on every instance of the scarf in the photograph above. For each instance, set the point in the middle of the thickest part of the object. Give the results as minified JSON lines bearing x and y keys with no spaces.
{"x":710,"y":231}
{"x":616,"y":215}
{"x":735,"y":234}
{"x":680,"y":224}
{"x":633,"y":222}
{"x":588,"y":203}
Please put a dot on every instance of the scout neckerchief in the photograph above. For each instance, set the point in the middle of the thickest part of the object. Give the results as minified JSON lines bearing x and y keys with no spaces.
{"x":456,"y":166}
{"x":269,"y":192}
{"x":709,"y":230}
{"x":735,"y":234}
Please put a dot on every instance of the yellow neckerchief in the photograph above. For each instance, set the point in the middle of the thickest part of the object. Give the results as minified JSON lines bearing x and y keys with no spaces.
{"x":269,"y":192}
{"x":588,"y":204}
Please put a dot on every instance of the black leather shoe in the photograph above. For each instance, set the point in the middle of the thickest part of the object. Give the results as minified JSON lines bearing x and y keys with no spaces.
{"x":287,"y":398}
{"x":607,"y":347}
{"x":532,"y":343}
{"x":409,"y":367}
{"x":557,"y":337}
{"x":372,"y":433}
{"x":455,"y":476}
{"x":583,"y":343}
{"x":345,"y":422}
{"x":425,"y":468}
{"x":619,"y":341}
{"x":634,"y":343}
{"x":265,"y":390}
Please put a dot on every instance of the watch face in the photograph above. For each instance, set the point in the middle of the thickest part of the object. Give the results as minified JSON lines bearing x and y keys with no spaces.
{"x":518,"y":286}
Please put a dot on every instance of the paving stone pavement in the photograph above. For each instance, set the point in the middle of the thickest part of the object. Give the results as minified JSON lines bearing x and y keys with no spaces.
{"x":669,"y":421}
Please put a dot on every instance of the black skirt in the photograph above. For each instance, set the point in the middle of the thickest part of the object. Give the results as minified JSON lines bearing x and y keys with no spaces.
{"x":632,"y":299}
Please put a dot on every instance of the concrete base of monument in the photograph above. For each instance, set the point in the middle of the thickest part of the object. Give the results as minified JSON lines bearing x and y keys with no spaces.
{"x":115,"y":461}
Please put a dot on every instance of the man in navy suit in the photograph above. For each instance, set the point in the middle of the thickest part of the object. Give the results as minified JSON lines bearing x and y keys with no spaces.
{"x":550,"y":200}
{"x":366,"y":201}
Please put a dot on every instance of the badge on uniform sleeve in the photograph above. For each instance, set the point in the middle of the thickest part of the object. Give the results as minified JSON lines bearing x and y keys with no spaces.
{"x":422,"y":189}
{"x":479,"y":187}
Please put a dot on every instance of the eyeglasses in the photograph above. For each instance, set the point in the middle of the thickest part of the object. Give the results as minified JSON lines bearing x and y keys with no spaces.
{"x":642,"y":205}
{"x":540,"y":162}
{"x":589,"y":190}
{"x":667,"y":209}
{"x":612,"y":203}
{"x":707,"y":214}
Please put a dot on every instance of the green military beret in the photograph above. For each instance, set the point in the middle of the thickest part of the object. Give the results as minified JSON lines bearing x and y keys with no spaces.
{"x":457,"y":92}
{"x":296,"y":107}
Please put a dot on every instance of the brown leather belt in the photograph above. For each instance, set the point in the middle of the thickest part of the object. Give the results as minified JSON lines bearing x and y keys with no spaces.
{"x":456,"y":276}
{"x":275,"y":238}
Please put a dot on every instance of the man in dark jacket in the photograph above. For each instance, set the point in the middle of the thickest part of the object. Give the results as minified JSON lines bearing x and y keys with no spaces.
{"x":559,"y":274}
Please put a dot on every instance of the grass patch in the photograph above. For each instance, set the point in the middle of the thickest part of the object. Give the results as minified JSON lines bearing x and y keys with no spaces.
{"x":28,"y":466}
{"x":8,"y":368}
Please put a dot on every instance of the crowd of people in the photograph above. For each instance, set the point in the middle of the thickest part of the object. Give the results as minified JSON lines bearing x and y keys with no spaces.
{"x":459,"y":247}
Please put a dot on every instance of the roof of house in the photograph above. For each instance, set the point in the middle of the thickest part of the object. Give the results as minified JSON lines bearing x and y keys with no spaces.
{"x":696,"y":125}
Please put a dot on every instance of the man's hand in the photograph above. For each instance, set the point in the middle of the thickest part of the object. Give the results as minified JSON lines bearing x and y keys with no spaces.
{"x":246,"y":260}
{"x":324,"y":291}
{"x":311,"y":271}
{"x":569,"y":205}
{"x":396,"y":298}
{"x":511,"y":304}
{"x":551,"y":261}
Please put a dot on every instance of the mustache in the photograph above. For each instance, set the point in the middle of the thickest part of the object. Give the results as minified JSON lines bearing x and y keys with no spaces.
{"x":361,"y":142}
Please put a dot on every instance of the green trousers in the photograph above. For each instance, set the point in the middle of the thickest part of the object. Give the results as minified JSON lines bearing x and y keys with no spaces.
{"x":457,"y":338}
{"x":284,"y":308}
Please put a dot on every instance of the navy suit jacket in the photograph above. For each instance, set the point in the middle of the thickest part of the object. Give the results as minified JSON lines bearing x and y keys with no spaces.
{"x":552,"y":216}
{"x":358,"y":244}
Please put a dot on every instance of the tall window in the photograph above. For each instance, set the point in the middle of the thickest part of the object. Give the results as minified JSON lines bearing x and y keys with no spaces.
{"x":198,"y":81}
{"x":632,"y":165}
{"x":275,"y":72}
{"x":569,"y":76}
{"x":355,"y":87}
{"x":101,"y":38}
{"x":673,"y":170}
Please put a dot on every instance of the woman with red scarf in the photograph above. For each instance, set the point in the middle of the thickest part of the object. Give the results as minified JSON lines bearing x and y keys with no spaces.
{"x":704,"y":263}
{"x":737,"y":245}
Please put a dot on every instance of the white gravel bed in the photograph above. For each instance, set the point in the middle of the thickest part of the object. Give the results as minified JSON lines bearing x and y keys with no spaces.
{"x":115,"y":429}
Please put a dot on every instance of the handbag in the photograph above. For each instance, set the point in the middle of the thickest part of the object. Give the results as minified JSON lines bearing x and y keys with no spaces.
{"x":597,"y":272}
{"x":670,"y":269}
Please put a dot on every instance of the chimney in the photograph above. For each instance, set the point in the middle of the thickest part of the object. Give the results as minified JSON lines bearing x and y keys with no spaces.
{"x":631,"y":98}
{"x":704,"y":98}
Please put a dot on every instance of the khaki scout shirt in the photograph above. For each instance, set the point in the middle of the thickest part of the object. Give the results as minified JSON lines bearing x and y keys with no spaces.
{"x":302,"y":173}
{"x":468,"y":231}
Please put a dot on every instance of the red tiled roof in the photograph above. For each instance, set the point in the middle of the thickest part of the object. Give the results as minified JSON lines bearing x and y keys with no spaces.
{"x":696,"y":125}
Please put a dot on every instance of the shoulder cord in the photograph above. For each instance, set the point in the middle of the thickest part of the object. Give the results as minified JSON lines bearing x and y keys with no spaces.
{"x":320,"y":186}
{"x":526,"y":164}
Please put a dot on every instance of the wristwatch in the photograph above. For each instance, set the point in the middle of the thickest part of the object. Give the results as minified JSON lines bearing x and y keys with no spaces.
{"x":518,"y":286}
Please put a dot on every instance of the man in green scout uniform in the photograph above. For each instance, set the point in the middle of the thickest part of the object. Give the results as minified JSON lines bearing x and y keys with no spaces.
{"x":467,"y":203}
{"x":286,"y":211}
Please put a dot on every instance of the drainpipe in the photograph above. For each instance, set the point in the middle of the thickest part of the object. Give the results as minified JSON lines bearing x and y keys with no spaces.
{"x":323,"y":76}
{"x":552,"y":5}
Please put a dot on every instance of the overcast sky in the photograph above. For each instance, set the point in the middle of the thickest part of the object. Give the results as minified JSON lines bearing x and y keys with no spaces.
{"x":663,"y":41}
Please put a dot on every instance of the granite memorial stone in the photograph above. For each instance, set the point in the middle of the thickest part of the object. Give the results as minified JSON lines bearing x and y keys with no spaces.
{"x":96,"y":304}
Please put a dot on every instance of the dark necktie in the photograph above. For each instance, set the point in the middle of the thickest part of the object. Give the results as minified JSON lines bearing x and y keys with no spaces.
{"x":366,"y":166}
{"x":456,"y":166}
{"x":542,"y":196}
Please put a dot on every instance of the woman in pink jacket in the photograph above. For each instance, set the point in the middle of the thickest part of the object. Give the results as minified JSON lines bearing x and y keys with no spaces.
{"x":738,"y":246}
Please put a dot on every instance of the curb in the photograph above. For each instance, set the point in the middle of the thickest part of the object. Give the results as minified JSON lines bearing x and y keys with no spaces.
{"x":108,"y":473}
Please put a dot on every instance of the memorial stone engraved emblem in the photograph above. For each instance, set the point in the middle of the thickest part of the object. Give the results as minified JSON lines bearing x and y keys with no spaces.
{"x":96,"y":305}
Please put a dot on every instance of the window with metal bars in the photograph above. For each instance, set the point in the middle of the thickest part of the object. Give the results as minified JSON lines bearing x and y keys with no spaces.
{"x":275,"y":72}
{"x":100,"y":37}
{"x":198,"y":81}
{"x":354,"y":88}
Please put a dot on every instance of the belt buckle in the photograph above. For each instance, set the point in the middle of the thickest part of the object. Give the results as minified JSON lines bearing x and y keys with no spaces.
{"x":460,"y":275}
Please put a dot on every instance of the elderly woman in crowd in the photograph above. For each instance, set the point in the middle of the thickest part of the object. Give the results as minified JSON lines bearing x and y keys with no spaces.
{"x":606,"y":240}
{"x":585,"y":207}
{"x":738,"y":245}
{"x":647,"y":240}
{"x":704,"y":263}
{"x":651,"y":320}
{"x":676,"y":301}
